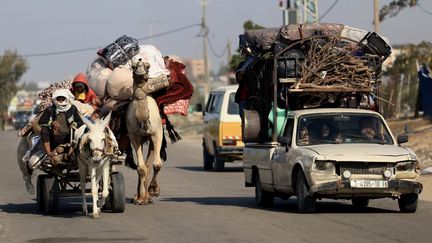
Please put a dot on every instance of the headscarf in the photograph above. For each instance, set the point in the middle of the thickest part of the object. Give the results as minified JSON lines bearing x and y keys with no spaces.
{"x":66,"y":104}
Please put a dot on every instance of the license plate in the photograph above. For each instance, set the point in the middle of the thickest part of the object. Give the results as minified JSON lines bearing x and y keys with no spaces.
{"x":369,"y":184}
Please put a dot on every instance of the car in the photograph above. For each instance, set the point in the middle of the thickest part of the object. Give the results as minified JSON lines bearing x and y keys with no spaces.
{"x":336,"y":153}
{"x":222,"y":140}
{"x":20,"y":119}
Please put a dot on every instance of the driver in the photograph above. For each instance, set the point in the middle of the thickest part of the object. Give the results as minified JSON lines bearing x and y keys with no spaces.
{"x":56,"y":121}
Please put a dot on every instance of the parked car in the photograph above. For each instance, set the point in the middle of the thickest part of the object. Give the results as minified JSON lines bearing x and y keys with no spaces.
{"x":335,"y":153}
{"x":222,"y":141}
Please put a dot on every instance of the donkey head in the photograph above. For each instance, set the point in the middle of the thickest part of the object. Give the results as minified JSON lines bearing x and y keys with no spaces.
{"x":95,"y":137}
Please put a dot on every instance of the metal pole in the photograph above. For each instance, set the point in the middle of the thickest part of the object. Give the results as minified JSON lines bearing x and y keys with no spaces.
{"x":376,"y":17}
{"x":205,"y":33}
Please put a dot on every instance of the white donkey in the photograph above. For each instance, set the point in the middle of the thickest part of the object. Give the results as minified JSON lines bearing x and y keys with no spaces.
{"x":92,"y":158}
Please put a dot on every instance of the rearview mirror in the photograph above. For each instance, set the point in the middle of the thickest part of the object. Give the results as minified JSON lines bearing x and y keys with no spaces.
{"x":198,"y":107}
{"x":402,"y":139}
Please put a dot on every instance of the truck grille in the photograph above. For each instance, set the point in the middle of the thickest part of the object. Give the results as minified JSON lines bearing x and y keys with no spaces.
{"x":361,"y":168}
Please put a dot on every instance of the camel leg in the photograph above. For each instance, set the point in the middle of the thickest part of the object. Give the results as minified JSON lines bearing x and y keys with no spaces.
{"x":154,"y":156}
{"x":95,"y":194}
{"x":142,"y":196}
{"x":82,"y":174}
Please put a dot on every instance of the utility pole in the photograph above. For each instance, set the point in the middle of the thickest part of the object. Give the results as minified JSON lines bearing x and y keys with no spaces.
{"x":204,"y":34}
{"x":376,"y":21}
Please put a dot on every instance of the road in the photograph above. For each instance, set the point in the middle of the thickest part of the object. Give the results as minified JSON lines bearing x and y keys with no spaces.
{"x":199,"y":206}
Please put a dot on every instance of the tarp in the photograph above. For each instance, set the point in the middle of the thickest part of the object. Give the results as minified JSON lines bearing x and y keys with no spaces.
{"x":425,"y":90}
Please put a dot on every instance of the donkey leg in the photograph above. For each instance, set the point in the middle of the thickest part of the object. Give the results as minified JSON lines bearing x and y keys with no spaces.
{"x":105,"y":179}
{"x":142,"y":193}
{"x":95,"y":194}
{"x":82,"y":174}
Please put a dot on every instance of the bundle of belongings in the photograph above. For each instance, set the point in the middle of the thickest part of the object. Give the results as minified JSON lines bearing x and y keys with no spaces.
{"x":110,"y":79}
{"x":314,"y":58}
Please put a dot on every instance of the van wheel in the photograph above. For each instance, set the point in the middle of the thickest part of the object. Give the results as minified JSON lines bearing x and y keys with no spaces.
{"x":219,"y":164}
{"x":207,"y":159}
{"x":408,"y":203}
{"x":305,"y":202}
{"x":262,"y":198}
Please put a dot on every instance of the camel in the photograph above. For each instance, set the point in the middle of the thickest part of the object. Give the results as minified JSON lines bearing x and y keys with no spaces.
{"x":91,"y":158}
{"x":143,"y":122}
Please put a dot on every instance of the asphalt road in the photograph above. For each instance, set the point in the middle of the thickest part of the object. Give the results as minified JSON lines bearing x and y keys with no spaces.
{"x":199,"y":206}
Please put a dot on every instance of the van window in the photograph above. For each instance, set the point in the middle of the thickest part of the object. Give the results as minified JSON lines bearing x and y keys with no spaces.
{"x":216,"y":104}
{"x":209,"y":102}
{"x":233,"y":108}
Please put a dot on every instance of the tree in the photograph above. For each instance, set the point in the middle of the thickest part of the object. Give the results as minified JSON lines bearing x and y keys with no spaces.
{"x":405,"y":68}
{"x":12,"y":67}
{"x":394,"y":7}
{"x":236,"y":59}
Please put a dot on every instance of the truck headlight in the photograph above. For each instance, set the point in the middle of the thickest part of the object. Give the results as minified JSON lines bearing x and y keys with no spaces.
{"x":324,"y":166}
{"x":410,"y":166}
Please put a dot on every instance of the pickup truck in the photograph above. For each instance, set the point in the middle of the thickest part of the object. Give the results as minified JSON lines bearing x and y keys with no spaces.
{"x":336,"y":153}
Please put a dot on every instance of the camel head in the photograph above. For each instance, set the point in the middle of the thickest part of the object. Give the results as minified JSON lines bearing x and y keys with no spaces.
{"x":95,"y":137}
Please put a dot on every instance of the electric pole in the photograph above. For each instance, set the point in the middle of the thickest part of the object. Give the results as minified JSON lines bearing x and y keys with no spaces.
{"x":229,"y":51}
{"x":204,"y":33}
{"x":376,"y":21}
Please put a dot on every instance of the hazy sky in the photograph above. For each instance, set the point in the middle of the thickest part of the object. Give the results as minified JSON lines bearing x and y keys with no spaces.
{"x":47,"y":26}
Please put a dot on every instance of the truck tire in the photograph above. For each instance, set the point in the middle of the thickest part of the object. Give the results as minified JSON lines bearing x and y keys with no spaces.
{"x":219,"y":164}
{"x":262,"y":198}
{"x":306,"y":203}
{"x":408,"y":203}
{"x":360,"y":202}
{"x":207,"y":159}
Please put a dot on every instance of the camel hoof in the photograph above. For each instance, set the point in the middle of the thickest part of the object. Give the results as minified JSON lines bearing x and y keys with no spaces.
{"x":142,"y":201}
{"x":154,"y":190}
{"x":96,"y":214}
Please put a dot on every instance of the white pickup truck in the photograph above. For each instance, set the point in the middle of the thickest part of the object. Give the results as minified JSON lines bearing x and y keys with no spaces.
{"x":337,"y":153}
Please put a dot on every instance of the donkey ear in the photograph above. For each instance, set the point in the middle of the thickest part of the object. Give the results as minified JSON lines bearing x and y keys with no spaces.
{"x":86,"y":121}
{"x":107,"y":119}
{"x":84,"y":141}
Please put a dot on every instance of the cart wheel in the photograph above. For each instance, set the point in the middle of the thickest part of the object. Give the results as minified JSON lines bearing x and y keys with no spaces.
{"x":50,"y":195}
{"x":39,"y":193}
{"x":117,"y":197}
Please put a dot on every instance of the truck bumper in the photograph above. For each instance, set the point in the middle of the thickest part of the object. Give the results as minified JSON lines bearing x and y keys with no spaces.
{"x":343,"y":190}
{"x":231,"y":152}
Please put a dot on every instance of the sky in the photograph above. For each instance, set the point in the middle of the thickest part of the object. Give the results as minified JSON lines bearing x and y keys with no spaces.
{"x":49,"y":26}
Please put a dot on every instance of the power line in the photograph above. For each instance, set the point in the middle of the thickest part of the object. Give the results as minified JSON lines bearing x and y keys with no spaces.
{"x":97,"y":47}
{"x":424,"y":10}
{"x":328,"y":10}
{"x":213,"y":50}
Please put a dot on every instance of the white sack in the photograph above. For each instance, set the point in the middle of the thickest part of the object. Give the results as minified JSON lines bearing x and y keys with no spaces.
{"x":120,"y":83}
{"x":98,"y":74}
{"x":153,"y":56}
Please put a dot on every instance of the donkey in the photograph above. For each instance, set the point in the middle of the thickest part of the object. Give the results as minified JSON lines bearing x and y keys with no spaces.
{"x":91,"y":158}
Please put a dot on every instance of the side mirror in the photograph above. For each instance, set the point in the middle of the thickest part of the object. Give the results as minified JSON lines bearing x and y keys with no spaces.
{"x":284,"y":140}
{"x":402,"y":139}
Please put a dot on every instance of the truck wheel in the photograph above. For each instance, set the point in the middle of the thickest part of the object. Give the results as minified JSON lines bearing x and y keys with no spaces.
{"x":408,"y":203}
{"x":305,"y":202}
{"x":262,"y":198}
{"x":50,"y":194}
{"x":360,"y":202}
{"x":207,"y":159}
{"x":219,"y":164}
{"x":117,"y":193}
{"x":39,"y":193}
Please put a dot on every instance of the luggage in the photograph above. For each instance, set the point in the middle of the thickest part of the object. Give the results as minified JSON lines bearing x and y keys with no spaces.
{"x":152,"y":56}
{"x":119,"y":52}
{"x":120,"y":83}
{"x":98,"y":73}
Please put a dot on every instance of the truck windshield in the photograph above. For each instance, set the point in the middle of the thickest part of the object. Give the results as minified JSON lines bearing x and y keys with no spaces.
{"x":341,"y":128}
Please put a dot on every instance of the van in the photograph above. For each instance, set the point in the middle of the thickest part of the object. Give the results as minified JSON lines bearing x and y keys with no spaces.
{"x":222,"y":140}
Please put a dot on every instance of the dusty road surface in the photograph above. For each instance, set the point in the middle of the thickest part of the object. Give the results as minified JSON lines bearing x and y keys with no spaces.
{"x":199,"y":206}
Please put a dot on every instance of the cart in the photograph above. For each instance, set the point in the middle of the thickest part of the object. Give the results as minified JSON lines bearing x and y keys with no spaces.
{"x":63,"y":181}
